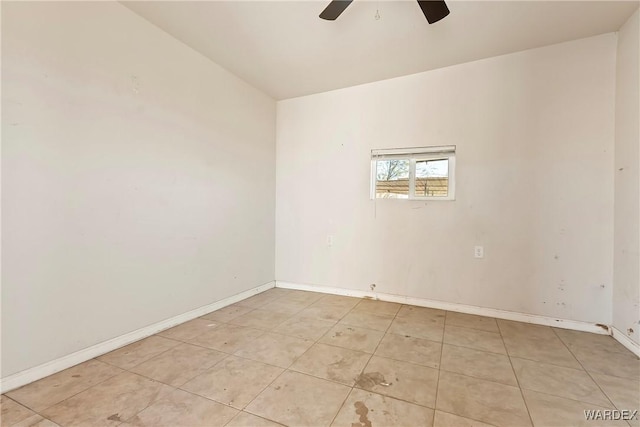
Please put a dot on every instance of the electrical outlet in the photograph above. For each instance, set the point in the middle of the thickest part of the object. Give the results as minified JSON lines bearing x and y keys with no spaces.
{"x":330,"y":240}
{"x":478,"y":252}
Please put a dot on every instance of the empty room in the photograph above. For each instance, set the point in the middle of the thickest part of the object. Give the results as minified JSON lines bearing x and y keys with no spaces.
{"x":388,"y":213}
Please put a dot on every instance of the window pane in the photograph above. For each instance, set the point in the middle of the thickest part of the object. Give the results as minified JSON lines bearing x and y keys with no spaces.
{"x":432,"y":178}
{"x":392,"y":179}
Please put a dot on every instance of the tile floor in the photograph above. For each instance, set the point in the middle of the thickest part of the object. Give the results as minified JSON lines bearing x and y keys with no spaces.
{"x":296,"y":358}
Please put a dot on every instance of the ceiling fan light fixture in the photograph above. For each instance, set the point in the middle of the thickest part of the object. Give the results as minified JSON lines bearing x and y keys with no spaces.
{"x":334,"y":9}
{"x":434,"y":10}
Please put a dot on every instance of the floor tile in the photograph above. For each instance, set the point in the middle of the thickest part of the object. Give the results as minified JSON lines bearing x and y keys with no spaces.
{"x":402,"y":380}
{"x":275,"y":349}
{"x":599,"y":361}
{"x":255,"y":364}
{"x":364,"y":408}
{"x":245,"y":419}
{"x":306,"y":328}
{"x":574,"y":339}
{"x":623,"y":392}
{"x":474,"y":338}
{"x":278,"y":292}
{"x":55,"y":388}
{"x":541,"y":349}
{"x":260,"y":319}
{"x":559,"y":381}
{"x":339,"y":301}
{"x":521,"y":329}
{"x":302,"y":296}
{"x":325,"y":312}
{"x":369,"y":320}
{"x":180,"y":408}
{"x":35,"y":421}
{"x":296,"y":399}
{"x":346,"y":336}
{"x":472,"y":321}
{"x":332,"y":363}
{"x":234,"y":381}
{"x":433,"y":330}
{"x":227,"y":313}
{"x":445,"y":419}
{"x":482,"y":400}
{"x":421,"y":314}
{"x":180,"y":364}
{"x":12,"y":412}
{"x":409,"y":349}
{"x":257,"y":301}
{"x":188,"y":330}
{"x":379,"y":307}
{"x":478,"y":364}
{"x":227,"y":338}
{"x":286,"y":306}
{"x":552,"y":411}
{"x":133,"y":354}
{"x":108,"y":403}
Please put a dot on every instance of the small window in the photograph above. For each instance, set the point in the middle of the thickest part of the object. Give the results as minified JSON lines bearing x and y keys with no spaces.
{"x":414,"y":173}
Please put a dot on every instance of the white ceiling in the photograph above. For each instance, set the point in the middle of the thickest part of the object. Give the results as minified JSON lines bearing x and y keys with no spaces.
{"x":284,"y":49}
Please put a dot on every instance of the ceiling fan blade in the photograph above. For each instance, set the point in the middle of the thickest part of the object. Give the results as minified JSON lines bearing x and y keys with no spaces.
{"x":434,"y":10}
{"x":335,"y":8}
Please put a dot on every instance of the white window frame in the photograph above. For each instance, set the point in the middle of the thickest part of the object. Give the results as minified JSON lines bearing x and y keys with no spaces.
{"x":413,"y":155}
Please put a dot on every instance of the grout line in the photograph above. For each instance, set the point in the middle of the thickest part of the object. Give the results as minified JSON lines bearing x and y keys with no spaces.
{"x":288,"y":368}
{"x":263,"y":389}
{"x":257,"y":416}
{"x":363,"y":367}
{"x":263,"y":331}
{"x":548,"y":362}
{"x":475,"y":348}
{"x":179,"y":342}
{"x":169,"y":385}
{"x":211,"y":367}
{"x":435,"y":401}
{"x":585,"y":370}
{"x":404,"y":361}
{"x":145,"y":360}
{"x":74,"y":395}
{"x":479,"y":378}
{"x":226,"y":320}
{"x":36,"y":413}
{"x":24,"y":406}
{"x":226,"y":356}
{"x":418,"y":338}
{"x":368,"y":361}
{"x":567,"y":398}
{"x":326,"y":298}
{"x":461,"y":416}
{"x":469,"y":418}
{"x":515,"y":376}
{"x":543,"y":363}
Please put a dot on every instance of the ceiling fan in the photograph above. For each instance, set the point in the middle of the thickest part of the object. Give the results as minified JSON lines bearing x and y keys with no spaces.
{"x":434,"y":10}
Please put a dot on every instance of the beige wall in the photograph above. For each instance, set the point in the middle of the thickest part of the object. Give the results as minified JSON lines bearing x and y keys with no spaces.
{"x":534,"y":134}
{"x":137,"y":179}
{"x":626,"y":291}
{"x":114,"y":135}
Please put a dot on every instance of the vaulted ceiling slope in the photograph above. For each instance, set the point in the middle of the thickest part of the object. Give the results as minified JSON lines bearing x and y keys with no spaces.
{"x":284,"y":49}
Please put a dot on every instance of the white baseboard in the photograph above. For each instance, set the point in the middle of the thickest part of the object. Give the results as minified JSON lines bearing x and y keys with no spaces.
{"x":460,"y":308}
{"x":38,"y":372}
{"x":623,"y":339}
